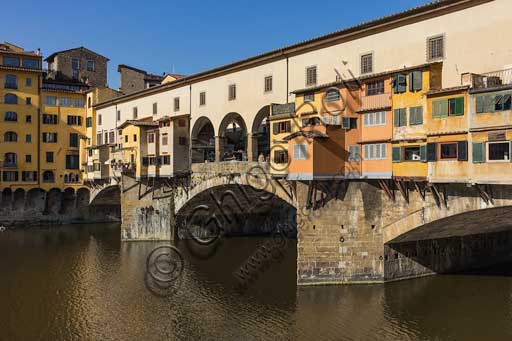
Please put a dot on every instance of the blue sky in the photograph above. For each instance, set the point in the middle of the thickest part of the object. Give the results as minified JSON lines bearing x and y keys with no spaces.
{"x":190,"y":35}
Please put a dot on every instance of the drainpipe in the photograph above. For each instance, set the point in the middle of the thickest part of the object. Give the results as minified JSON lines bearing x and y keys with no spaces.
{"x":39,"y":86}
{"x":287,"y":79}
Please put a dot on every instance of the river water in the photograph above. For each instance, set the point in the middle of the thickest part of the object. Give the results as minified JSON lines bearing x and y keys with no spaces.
{"x":81,"y":283}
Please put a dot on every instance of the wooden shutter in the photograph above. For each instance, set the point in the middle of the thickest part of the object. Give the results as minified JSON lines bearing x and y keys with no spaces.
{"x":440,"y":108}
{"x":423,"y":153}
{"x":462,"y":150}
{"x":288,"y":126}
{"x":478,"y":152}
{"x":345,"y":122}
{"x":489,"y":103}
{"x":402,"y":83}
{"x":459,"y":106}
{"x":275,"y":128}
{"x":431,"y":152}
{"x":415,"y":81}
{"x":397,"y":154}
{"x":480,"y":104}
{"x":403,"y":117}
{"x":396,"y":117}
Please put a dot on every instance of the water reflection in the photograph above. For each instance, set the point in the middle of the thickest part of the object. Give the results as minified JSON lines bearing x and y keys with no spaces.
{"x":81,"y":282}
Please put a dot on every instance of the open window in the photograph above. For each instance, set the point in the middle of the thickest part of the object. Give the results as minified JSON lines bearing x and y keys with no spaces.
{"x":412,"y":153}
{"x":499,"y":151}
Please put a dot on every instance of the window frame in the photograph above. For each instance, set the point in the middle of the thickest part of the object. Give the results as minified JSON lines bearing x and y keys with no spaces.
{"x":202,"y":98}
{"x":365,"y":68}
{"x":314,"y":81}
{"x":93,"y":68}
{"x":488,"y":152}
{"x":232,"y":92}
{"x":430,"y":49}
{"x":403,"y":159}
{"x":440,"y":146}
{"x":302,"y":148}
{"x":268,"y":84}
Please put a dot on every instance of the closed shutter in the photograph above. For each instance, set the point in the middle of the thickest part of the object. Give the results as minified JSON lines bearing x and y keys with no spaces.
{"x":478,"y":152}
{"x":403,"y":117}
{"x":431,"y":152}
{"x":288,"y":126}
{"x":345,"y":122}
{"x":396,"y":117}
{"x":480,"y":104}
{"x":489,"y":103}
{"x":440,"y":108}
{"x":397,"y":154}
{"x":402,"y":83}
{"x":416,"y":81}
{"x":459,"y":106}
{"x":275,"y":128}
{"x":423,"y":153}
{"x":462,"y":151}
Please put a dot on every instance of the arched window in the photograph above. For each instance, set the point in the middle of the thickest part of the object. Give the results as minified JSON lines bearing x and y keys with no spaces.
{"x":10,"y":99}
{"x":48,"y":176}
{"x":11,"y":82}
{"x":11,"y":116}
{"x":10,"y":136}
{"x":10,"y":159}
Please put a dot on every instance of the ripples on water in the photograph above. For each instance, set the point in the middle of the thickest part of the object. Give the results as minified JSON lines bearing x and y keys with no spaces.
{"x":82,"y":283}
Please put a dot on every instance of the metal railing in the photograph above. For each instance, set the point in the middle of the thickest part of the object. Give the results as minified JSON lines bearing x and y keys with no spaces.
{"x":494,"y":79}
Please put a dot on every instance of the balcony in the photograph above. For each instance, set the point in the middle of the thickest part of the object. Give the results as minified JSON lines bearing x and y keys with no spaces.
{"x":375,"y":102}
{"x":489,"y":80}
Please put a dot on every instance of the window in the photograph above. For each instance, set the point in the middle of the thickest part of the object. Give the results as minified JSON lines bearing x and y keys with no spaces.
{"x":232,"y":92}
{"x":10,"y":136}
{"x":10,"y":99}
{"x":48,"y":176}
{"x":135,"y":113}
{"x":280,"y":156}
{"x":28,"y":138}
{"x":89,"y":102}
{"x":412,"y":153}
{"x":91,"y":65}
{"x":325,"y":119}
{"x":126,"y":138}
{"x":28,"y":119}
{"x":311,"y":76}
{"x":73,"y":140}
{"x":499,"y":151}
{"x":155,"y":109}
{"x":88,"y":122}
{"x":49,"y":119}
{"x":400,"y":117}
{"x":374,"y":119}
{"x":165,"y":160}
{"x":332,"y":95}
{"x":134,"y":137}
{"x":29,"y":175}
{"x":268,"y":84}
{"x":375,"y":88}
{"x":165,"y":139}
{"x":281,"y":127}
{"x":28,"y":158}
{"x":31,"y":63}
{"x":349,"y":122}
{"x":182,"y":141}
{"x":354,"y":153}
{"x":502,"y":102}
{"x":367,"y":63}
{"x":72,"y":161}
{"x":49,"y":157}
{"x":28,"y":81}
{"x":10,"y":159}
{"x":28,"y":101}
{"x":202,"y":98}
{"x":9,"y":176}
{"x":400,"y":84}
{"x":11,"y":82}
{"x":151,"y":138}
{"x":11,"y":116}
{"x":456,"y":106}
{"x":375,"y":151}
{"x":99,"y":120}
{"x":112,"y":137}
{"x":448,"y":151}
{"x":299,"y":152}
{"x":176,"y":103}
{"x":65,"y":102}
{"x":75,"y":65}
{"x":74,"y":120}
{"x":435,"y":48}
{"x":11,"y":61}
{"x":309,"y":97}
{"x":50,"y":101}
{"x":182,"y":122}
{"x":415,"y":116}
{"x":415,"y":81}
{"x":78,"y":102}
{"x":50,"y":137}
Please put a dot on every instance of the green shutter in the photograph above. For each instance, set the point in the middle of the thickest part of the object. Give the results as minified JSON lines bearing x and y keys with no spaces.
{"x":431,"y":152}
{"x":411,"y":82}
{"x":403,"y":117}
{"x":396,"y":117}
{"x":478,"y":152}
{"x":462,"y":150}
{"x":275,"y":128}
{"x":423,"y":153}
{"x":415,"y":116}
{"x":440,"y":108}
{"x":489,"y":103}
{"x":417,"y":80}
{"x":397,"y":154}
{"x":459,"y":106}
{"x":480,"y":104}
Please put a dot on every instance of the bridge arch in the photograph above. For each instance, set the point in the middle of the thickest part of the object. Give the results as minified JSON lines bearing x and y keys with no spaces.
{"x":259,"y":139}
{"x":203,"y":140}
{"x":109,"y":195}
{"x":232,"y":136}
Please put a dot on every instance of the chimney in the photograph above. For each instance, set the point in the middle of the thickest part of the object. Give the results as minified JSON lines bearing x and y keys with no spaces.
{"x":38,"y":51}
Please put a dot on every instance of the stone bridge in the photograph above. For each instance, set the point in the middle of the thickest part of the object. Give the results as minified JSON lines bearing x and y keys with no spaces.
{"x":348,"y":231}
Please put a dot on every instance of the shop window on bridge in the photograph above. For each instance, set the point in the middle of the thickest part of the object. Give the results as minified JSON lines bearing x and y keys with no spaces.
{"x":499,"y":151}
{"x":280,"y":156}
